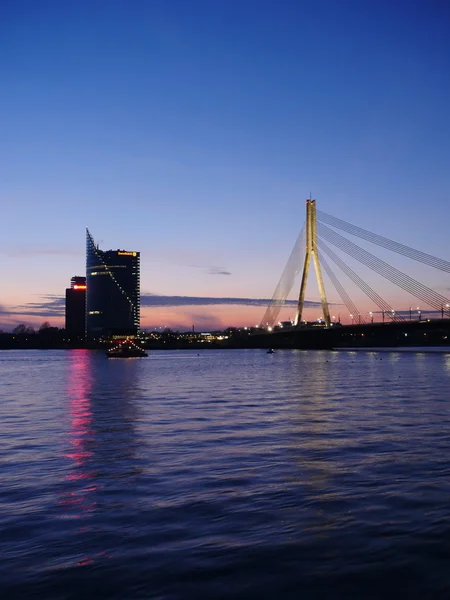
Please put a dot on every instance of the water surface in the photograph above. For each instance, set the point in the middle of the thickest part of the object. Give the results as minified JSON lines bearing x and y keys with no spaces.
{"x":228,"y":474}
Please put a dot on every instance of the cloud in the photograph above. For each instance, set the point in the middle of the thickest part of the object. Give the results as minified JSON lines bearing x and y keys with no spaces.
{"x":157,"y":300}
{"x":12,"y":316}
{"x":213,"y":269}
{"x":49,"y":306}
{"x":4,"y":310}
{"x":54,"y":306}
{"x":218,"y":271}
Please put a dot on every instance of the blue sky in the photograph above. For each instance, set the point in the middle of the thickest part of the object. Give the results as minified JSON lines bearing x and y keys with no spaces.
{"x":194,"y":131}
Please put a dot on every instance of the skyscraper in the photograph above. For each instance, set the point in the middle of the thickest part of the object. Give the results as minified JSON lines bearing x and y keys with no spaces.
{"x":113,"y":291}
{"x":76,"y":308}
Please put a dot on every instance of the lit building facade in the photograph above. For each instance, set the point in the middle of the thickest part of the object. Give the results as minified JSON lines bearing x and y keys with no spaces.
{"x":113,"y":291}
{"x":76,"y":309}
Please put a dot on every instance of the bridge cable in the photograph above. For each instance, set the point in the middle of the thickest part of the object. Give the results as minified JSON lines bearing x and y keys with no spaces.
{"x":340,"y":289}
{"x":400,"y":279}
{"x":363,"y":286}
{"x":284,"y":286}
{"x":405,"y":282}
{"x":379,"y":240}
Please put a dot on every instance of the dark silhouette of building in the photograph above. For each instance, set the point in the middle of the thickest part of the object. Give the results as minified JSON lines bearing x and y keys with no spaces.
{"x":76,"y":308}
{"x":113,"y":291}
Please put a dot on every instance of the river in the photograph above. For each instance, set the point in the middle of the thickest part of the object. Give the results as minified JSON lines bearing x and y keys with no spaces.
{"x":225,"y":474}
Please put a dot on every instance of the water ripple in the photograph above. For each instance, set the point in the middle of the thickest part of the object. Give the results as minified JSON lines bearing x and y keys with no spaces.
{"x":233,"y":474}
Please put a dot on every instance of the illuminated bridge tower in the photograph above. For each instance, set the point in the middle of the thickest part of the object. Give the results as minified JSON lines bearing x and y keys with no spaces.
{"x":113,"y":291}
{"x":312,"y":252}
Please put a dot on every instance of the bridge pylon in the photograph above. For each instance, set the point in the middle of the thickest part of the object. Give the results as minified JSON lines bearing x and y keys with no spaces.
{"x":312,"y":252}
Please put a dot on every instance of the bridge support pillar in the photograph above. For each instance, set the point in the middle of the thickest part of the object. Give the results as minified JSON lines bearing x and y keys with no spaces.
{"x":312,"y":252}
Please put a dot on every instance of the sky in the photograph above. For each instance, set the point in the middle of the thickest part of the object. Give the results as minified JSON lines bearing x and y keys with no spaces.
{"x":194,"y":131}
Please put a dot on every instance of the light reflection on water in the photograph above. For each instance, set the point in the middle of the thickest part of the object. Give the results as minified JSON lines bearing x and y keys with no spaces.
{"x":78,"y":391}
{"x":232,"y":474}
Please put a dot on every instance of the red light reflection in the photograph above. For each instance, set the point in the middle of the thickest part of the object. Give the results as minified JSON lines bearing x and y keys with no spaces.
{"x":77,"y":498}
{"x":79,"y":384}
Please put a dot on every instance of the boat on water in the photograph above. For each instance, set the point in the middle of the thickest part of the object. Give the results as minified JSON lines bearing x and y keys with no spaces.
{"x":126,"y":350}
{"x":271,"y":351}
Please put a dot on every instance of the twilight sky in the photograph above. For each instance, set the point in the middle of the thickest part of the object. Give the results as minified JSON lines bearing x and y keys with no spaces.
{"x":194,"y":131}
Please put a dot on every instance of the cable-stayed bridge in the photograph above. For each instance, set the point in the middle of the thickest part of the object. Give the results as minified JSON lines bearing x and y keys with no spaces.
{"x":338,"y":261}
{"x":321,"y":236}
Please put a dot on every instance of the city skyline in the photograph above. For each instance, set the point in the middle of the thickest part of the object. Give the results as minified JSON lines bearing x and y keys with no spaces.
{"x":55,"y":307}
{"x":195,"y":134}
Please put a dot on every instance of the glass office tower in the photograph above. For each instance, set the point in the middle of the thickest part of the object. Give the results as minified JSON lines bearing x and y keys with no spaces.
{"x":113,"y":292}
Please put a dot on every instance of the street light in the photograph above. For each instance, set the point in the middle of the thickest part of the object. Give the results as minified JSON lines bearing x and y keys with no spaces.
{"x":351,"y":317}
{"x":371,"y":316}
{"x":418,"y":310}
